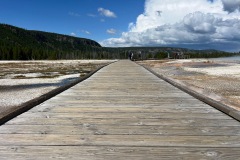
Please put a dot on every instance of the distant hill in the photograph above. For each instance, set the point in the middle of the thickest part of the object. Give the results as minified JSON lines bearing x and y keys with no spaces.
{"x":18,"y":43}
{"x":21,"y":44}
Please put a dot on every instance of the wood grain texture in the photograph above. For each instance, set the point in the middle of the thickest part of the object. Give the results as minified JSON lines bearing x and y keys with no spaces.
{"x":121,"y":112}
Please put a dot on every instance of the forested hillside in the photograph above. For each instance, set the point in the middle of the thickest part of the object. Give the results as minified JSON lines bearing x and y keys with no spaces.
{"x":17,"y":43}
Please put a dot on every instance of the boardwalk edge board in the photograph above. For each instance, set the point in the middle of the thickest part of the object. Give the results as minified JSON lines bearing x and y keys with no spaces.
{"x":10,"y":114}
{"x":216,"y":104}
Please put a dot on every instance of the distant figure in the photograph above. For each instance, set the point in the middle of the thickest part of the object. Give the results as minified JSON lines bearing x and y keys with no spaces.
{"x":132,"y":56}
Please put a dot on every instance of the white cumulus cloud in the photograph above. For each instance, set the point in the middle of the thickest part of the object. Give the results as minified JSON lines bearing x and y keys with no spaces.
{"x":199,"y":22}
{"x":73,"y":34}
{"x":106,"y":13}
{"x":86,"y":32}
{"x":111,"y":31}
{"x":196,"y":24}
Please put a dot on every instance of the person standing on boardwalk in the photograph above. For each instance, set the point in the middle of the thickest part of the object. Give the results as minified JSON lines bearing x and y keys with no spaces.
{"x":132,"y":56}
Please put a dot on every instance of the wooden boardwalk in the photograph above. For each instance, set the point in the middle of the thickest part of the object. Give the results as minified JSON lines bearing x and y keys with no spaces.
{"x":121,"y":112}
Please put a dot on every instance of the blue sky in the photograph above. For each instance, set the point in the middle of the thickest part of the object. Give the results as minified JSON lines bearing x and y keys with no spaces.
{"x":80,"y":17}
{"x":198,"y":24}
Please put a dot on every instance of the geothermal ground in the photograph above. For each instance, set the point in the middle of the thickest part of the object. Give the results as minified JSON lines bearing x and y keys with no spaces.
{"x":219,"y":80}
{"x":21,"y":81}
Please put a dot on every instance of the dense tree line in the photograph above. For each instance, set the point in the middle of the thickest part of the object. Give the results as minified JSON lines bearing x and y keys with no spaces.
{"x":17,"y":43}
{"x":211,"y":54}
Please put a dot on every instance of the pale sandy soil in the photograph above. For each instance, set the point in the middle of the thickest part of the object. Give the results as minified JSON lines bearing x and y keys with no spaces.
{"x":219,"y":80}
{"x":21,"y":81}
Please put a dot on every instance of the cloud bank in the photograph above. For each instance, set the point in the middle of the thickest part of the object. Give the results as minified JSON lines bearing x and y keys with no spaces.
{"x":231,"y":5}
{"x":198,"y":24}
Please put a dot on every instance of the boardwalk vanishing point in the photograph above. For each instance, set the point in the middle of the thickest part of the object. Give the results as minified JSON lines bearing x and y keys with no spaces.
{"x":121,"y":112}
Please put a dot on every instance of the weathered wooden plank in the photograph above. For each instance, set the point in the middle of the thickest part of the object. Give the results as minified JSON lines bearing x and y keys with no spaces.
{"x":126,"y":115}
{"x":120,"y":140}
{"x":122,"y":102}
{"x":126,"y":99}
{"x":113,"y":152}
{"x":170,"y":106}
{"x":124,"y":96}
{"x":130,"y":121}
{"x":121,"y":109}
{"x":89,"y":129}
